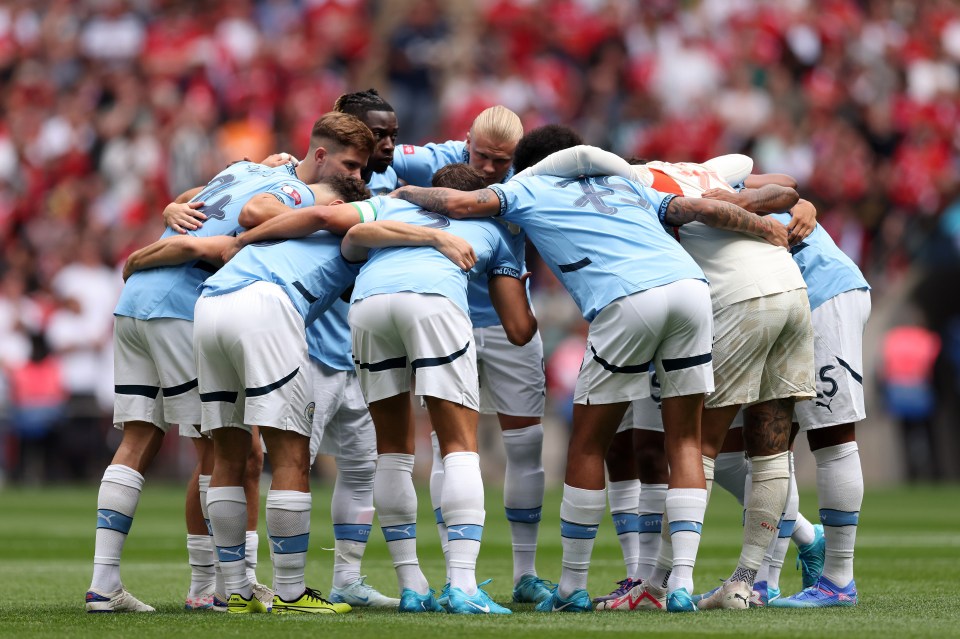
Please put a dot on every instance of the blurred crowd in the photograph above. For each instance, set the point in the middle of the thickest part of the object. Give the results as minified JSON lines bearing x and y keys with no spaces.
{"x":110,"y":108}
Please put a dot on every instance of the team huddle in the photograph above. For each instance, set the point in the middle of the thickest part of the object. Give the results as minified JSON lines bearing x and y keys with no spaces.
{"x":301,"y":301}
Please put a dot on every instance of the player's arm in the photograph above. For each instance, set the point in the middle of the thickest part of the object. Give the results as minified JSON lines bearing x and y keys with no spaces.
{"x":781,"y":179}
{"x":509,"y":297}
{"x":451,"y":202}
{"x":172,"y":251}
{"x":803,"y":220}
{"x":769,"y":198}
{"x":726,"y":216}
{"x":363,"y":237}
{"x":581,"y":160}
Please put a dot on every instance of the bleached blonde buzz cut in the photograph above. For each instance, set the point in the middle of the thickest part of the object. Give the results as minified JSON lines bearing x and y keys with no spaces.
{"x":498,"y":124}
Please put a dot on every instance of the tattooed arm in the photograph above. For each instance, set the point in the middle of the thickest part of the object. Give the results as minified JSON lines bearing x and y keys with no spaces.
{"x":769,"y":198}
{"x":726,"y":216}
{"x":450,"y":202}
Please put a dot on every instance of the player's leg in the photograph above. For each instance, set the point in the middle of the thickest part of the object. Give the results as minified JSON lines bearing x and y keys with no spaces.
{"x":384,"y":374}
{"x":829,"y":423}
{"x":351,"y":507}
{"x":622,"y":341}
{"x":138,"y":410}
{"x":200,"y":548}
{"x":439,"y":340}
{"x":623,"y":494}
{"x":251,"y":488}
{"x":512,"y":385}
{"x":654,"y":472}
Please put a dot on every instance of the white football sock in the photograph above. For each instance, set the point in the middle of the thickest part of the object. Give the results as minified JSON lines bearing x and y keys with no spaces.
{"x":116,"y":504}
{"x":288,"y":524}
{"x":580,"y":514}
{"x":252,"y":546}
{"x":685,"y":508}
{"x":652,"y":506}
{"x":463,"y":511}
{"x":396,"y":502}
{"x":219,"y":586}
{"x":767,"y":497}
{"x":202,"y":573}
{"x":523,"y":494}
{"x":803,"y":532}
{"x":730,"y":472}
{"x":777,"y":550}
{"x":227,"y":506}
{"x":352,"y":512}
{"x":436,"y":495}
{"x":840,"y":491}
{"x":624,"y":497}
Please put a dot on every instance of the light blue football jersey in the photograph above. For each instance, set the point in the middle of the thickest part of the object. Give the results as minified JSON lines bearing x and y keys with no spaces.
{"x":311,"y":270}
{"x":383,"y":183}
{"x":172,"y":291}
{"x":825,"y":268}
{"x":601,"y":236}
{"x":328,"y":338}
{"x":416,"y":165}
{"x":423,"y":269}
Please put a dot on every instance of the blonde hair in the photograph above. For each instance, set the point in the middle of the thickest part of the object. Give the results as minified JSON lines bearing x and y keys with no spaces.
{"x":497,"y":124}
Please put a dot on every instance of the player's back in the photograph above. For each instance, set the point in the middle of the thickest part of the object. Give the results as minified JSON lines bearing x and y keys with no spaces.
{"x":601,"y":236}
{"x":172,"y":291}
{"x":423,"y":269}
{"x":416,"y":165}
{"x":739,"y":266}
{"x":311,"y":270}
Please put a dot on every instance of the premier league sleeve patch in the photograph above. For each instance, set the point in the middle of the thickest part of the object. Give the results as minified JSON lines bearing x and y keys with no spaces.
{"x":409,"y":149}
{"x":293,"y":193}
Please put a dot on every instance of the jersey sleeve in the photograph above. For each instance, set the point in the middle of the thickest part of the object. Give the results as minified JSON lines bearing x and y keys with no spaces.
{"x":290,"y":193}
{"x":658,"y":200}
{"x":732,"y":168}
{"x":516,"y":198}
{"x":580,"y":160}
{"x":505,"y":260}
{"x":416,"y":165}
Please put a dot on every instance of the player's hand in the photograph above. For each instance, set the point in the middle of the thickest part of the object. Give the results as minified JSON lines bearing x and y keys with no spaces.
{"x":130,"y":266}
{"x":231,"y":249}
{"x":740,"y":199}
{"x":279,"y":159}
{"x":398,"y":193}
{"x":803,"y":221}
{"x":776,"y":233}
{"x":456,"y":249}
{"x":183,"y":217}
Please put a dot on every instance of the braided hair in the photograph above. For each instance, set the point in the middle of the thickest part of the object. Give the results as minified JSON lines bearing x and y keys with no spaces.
{"x":360,"y":103}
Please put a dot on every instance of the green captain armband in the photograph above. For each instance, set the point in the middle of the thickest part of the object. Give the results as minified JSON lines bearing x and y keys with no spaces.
{"x":367,"y":211}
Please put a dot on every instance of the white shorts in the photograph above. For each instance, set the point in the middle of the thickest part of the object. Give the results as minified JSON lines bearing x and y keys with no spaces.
{"x":512,"y":380}
{"x":763,"y":350}
{"x":252,"y":360}
{"x":645,"y":414}
{"x":397,"y":335}
{"x":838,"y":362}
{"x":342,"y":426}
{"x":671,"y":325}
{"x":155,"y":373}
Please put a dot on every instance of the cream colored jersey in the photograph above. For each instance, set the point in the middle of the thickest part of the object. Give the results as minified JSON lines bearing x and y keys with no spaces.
{"x":739,"y":266}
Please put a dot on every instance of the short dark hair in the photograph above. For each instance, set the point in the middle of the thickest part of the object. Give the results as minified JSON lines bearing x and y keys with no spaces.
{"x":634,"y":160}
{"x":346,"y":187}
{"x":541,"y":142}
{"x":341,"y":130}
{"x":462,"y":177}
{"x":360,"y":103}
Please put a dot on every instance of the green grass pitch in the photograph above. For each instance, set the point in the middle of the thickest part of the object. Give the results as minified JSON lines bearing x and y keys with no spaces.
{"x":908,"y":573}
